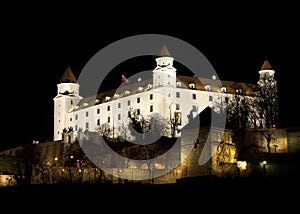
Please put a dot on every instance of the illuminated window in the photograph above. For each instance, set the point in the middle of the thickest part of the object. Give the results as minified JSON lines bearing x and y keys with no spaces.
{"x":207,"y":87}
{"x":192,"y":85}
{"x":178,"y":84}
{"x":223,"y":89}
{"x":238,"y":91}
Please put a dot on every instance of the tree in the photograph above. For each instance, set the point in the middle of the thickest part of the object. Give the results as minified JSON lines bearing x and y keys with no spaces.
{"x":104,"y":130}
{"x":240,"y":116}
{"x":267,"y":101}
{"x":138,"y":125}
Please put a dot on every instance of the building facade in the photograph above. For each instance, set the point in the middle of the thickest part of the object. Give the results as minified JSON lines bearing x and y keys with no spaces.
{"x":175,"y":98}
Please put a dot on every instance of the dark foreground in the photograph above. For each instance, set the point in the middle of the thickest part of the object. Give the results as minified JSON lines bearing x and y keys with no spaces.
{"x":270,"y":192}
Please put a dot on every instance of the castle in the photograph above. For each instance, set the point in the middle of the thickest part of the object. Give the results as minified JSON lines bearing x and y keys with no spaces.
{"x":174,"y":97}
{"x":173,"y":102}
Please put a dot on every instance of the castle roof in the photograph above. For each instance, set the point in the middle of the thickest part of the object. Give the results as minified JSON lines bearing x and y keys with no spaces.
{"x":185,"y":83}
{"x":164,"y":51}
{"x":68,"y":76}
{"x":266,"y":65}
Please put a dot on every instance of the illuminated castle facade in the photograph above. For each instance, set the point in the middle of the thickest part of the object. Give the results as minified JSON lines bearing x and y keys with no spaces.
{"x":176,"y":98}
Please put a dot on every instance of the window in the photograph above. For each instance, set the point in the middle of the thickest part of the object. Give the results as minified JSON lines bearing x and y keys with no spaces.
{"x":178,"y":94}
{"x":210,"y":98}
{"x":128,"y":102}
{"x":195,"y":108}
{"x":98,"y":110}
{"x":177,"y":107}
{"x":107,"y":98}
{"x":76,"y":117}
{"x":119,"y":116}
{"x":178,"y":84}
{"x":223,"y":89}
{"x":71,"y":119}
{"x":226,"y":99}
{"x":76,"y":128}
{"x":151,"y":97}
{"x":140,"y":89}
{"x":207,"y":87}
{"x":108,"y":119}
{"x":87,"y":114}
{"x":194,"y":96}
{"x":71,"y":102}
{"x":192,"y":85}
{"x":116,"y":96}
{"x":238,"y":91}
{"x":98,"y":122}
{"x":138,"y":100}
{"x":85,"y":104}
{"x":119,"y":105}
{"x":138,"y":112}
{"x":86,"y":125}
{"x":127,"y":92}
{"x":151,"y":108}
{"x":108,"y":108}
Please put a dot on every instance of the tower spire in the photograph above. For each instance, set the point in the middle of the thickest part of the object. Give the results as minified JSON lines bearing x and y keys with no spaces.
{"x":164,"y":51}
{"x":266,"y":65}
{"x":68,"y":76}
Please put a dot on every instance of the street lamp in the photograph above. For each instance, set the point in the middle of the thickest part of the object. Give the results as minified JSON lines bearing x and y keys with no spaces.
{"x":264,"y":167}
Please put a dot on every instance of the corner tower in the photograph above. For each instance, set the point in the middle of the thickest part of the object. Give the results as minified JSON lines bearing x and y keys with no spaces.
{"x":67,"y":96}
{"x":267,"y":92}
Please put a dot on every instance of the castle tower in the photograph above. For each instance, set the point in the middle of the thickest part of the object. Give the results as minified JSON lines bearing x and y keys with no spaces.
{"x":164,"y":74}
{"x":267,"y":90}
{"x":67,"y":96}
{"x":266,"y":71}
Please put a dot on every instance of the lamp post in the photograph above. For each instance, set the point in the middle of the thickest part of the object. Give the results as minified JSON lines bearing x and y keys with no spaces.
{"x":264,"y":168}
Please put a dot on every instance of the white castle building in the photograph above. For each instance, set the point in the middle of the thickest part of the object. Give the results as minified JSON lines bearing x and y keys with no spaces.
{"x":175,"y":97}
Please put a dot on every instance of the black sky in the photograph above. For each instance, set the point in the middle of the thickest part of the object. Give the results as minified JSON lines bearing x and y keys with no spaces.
{"x":38,"y":49}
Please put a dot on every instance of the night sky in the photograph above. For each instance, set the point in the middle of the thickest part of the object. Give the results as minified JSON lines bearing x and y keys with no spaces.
{"x":38,"y":50}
